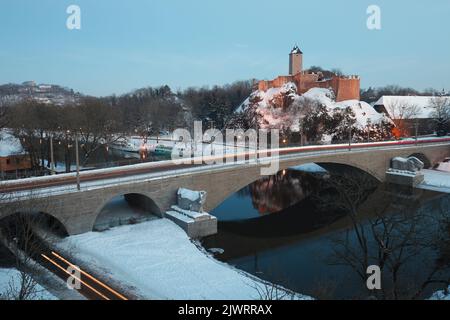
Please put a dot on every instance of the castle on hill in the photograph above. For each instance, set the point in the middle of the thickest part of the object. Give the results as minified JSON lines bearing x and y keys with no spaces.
{"x":344,"y":87}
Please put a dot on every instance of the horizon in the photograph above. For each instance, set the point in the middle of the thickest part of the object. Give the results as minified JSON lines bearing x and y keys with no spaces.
{"x":120,"y":47}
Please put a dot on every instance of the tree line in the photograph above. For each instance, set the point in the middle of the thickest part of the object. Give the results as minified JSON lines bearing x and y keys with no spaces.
{"x":101,"y":121}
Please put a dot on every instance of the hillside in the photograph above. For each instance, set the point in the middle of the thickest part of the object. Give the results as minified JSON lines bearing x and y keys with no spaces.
{"x":11,"y":94}
{"x":283,"y":108}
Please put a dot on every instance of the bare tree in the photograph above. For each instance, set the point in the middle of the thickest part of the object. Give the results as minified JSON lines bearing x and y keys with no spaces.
{"x":400,"y":112}
{"x":441,"y":113}
{"x":18,"y":231}
{"x":391,"y":238}
{"x":3,"y":118}
{"x":271,"y":291}
{"x":96,"y":125}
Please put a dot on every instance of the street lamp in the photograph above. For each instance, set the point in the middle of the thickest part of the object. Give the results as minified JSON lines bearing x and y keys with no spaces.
{"x":52,"y":157}
{"x":300,"y":127}
{"x":349,"y":138}
{"x":416,"y":124}
{"x":369,"y":122}
{"x":77,"y":159}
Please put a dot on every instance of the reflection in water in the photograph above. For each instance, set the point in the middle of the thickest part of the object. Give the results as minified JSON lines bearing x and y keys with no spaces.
{"x":274,"y":193}
{"x":322,"y":242}
{"x":269,"y":195}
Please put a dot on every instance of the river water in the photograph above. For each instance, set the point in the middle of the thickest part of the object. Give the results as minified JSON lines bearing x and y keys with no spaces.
{"x":316,"y":233}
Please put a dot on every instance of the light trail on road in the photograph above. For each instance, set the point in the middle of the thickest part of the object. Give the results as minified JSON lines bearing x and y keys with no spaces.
{"x":91,"y":287}
{"x":90,"y":277}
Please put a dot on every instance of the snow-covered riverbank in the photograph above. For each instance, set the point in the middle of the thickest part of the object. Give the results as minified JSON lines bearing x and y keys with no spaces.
{"x":159,"y":261}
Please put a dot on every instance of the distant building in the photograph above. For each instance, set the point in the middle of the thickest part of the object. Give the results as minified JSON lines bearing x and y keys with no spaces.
{"x":344,"y":87}
{"x":29,"y":84}
{"x":12,"y":155}
{"x":412,"y":110}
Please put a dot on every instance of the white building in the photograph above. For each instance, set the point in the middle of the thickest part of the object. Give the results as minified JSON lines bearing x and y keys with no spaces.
{"x":415,"y":113}
{"x":392,"y":105}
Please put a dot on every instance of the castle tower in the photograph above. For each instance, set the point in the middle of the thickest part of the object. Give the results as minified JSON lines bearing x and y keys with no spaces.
{"x":295,"y":61}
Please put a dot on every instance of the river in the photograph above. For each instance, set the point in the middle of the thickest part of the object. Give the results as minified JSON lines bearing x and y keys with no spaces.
{"x":316,"y":233}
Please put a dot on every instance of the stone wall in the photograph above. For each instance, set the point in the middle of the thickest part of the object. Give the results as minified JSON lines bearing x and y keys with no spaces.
{"x":345,"y":88}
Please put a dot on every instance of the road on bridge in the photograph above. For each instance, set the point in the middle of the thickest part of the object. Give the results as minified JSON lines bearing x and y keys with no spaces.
{"x":166,"y":166}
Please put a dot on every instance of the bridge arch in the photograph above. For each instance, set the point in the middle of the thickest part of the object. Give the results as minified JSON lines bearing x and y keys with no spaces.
{"x":422,"y":157}
{"x":244,"y":180}
{"x":41,"y":219}
{"x":349,"y":169}
{"x":140,"y":203}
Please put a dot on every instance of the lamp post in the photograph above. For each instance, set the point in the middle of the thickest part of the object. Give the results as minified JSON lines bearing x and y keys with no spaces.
{"x":416,"y":125}
{"x":349,"y":138}
{"x":52,"y":156}
{"x":368,"y":129}
{"x":300,"y":126}
{"x":77,"y":159}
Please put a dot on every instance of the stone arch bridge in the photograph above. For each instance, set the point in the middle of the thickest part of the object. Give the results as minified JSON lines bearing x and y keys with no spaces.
{"x":77,"y":210}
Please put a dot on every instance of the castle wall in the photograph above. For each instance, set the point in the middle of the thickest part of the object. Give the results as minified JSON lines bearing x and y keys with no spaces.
{"x":344,"y":88}
{"x":347,"y":89}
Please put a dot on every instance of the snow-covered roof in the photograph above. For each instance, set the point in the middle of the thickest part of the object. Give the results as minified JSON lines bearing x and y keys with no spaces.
{"x":9,"y":144}
{"x":296,"y":50}
{"x":422,"y":103}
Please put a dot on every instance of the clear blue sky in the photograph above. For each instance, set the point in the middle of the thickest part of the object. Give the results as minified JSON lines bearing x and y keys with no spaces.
{"x":124,"y":45}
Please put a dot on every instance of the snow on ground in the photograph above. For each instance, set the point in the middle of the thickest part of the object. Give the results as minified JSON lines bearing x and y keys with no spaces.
{"x":111,"y":217}
{"x":309,"y":167}
{"x":444,"y":166}
{"x":60,"y":167}
{"x":159,"y":260}
{"x":276,"y":117}
{"x":363,"y":111}
{"x":221,"y":146}
{"x":12,"y":277}
{"x":436,"y":181}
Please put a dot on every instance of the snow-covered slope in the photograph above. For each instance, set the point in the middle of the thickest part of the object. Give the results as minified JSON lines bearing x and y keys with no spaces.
{"x":362,"y":110}
{"x":282,"y":107}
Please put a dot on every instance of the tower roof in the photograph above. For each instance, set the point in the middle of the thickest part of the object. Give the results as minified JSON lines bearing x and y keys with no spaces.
{"x":296,"y":50}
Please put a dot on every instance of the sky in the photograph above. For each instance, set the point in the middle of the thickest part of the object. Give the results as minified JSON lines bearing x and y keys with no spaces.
{"x":125,"y":45}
